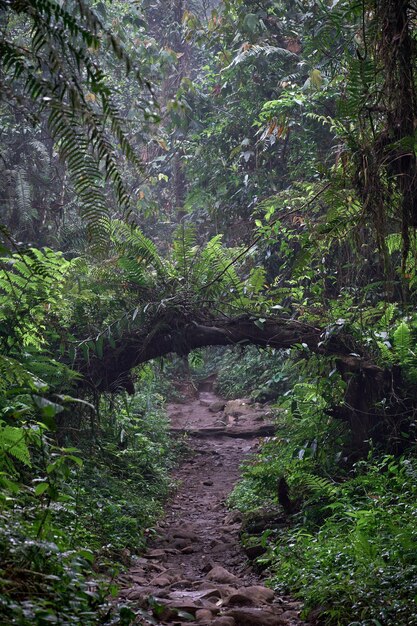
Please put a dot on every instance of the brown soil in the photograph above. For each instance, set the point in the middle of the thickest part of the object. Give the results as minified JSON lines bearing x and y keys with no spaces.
{"x":196,"y":565}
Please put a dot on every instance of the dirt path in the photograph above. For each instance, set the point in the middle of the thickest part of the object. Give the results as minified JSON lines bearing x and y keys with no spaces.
{"x":195,"y":567}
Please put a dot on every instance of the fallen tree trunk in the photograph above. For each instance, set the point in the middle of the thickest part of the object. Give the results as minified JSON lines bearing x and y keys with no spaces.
{"x":111,"y":372}
{"x":366,"y":383}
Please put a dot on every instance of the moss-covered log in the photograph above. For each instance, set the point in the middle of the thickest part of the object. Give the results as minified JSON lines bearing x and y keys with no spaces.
{"x":111,"y":372}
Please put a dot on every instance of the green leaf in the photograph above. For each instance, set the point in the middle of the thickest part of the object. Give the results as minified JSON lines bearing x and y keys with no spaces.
{"x":77,"y":460}
{"x":41,"y":488}
{"x":402,"y":342}
{"x":48,"y":409}
{"x":99,"y":346}
{"x":189,"y":617}
{"x":316,"y":78}
{"x":251,"y":23}
{"x":13,"y":442}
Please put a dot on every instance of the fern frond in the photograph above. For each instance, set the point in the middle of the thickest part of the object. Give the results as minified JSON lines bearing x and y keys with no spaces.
{"x":184,"y":250}
{"x":318,"y":485}
{"x":217,"y":259}
{"x":134,"y":271}
{"x":23,"y":195}
{"x":394,"y":243}
{"x":132,"y":244}
{"x":14,"y":374}
{"x":257,"y":50}
{"x":256,"y":280}
{"x":13,"y":442}
{"x":402,"y":342}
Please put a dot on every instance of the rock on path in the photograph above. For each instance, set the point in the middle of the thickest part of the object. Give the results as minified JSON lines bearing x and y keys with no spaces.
{"x":195,"y":568}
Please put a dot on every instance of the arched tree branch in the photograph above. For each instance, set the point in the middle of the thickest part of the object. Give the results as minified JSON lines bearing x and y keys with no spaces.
{"x":111,"y":372}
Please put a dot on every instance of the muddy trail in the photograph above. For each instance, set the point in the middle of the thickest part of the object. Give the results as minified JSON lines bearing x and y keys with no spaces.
{"x":195,"y":570}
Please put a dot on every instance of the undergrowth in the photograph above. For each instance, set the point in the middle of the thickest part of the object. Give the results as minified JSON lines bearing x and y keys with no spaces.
{"x":122,"y":486}
{"x":262,"y":374}
{"x":65,"y":534}
{"x":348,"y":546}
{"x":351,"y":552}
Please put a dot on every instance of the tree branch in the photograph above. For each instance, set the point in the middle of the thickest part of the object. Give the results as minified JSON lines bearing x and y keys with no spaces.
{"x":111,"y":372}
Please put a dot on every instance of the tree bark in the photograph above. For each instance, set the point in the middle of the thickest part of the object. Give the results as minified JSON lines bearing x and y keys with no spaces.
{"x":111,"y":372}
{"x":367,"y":384}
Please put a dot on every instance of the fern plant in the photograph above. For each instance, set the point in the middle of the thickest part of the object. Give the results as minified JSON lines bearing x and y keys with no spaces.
{"x":194,"y":273}
{"x":30,"y":288}
{"x":31,"y":295}
{"x":195,"y":284}
{"x":404,"y":349}
{"x":319,"y":486}
{"x":138,"y":255}
{"x":253,"y":51}
{"x":13,"y":443}
{"x":402,"y":343}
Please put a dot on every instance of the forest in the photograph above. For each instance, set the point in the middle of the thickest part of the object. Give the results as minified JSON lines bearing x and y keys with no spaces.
{"x":208,"y":325}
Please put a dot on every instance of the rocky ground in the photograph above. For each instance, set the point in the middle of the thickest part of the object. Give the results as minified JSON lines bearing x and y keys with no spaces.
{"x":195,"y":569}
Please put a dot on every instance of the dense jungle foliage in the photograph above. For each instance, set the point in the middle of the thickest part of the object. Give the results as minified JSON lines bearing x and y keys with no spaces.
{"x":176,"y":174}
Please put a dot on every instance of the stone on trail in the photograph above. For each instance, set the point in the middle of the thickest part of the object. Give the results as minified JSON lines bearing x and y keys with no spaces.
{"x":203,"y":615}
{"x":136,"y":595}
{"x":183,"y":604}
{"x":161,"y":581}
{"x":140,"y":595}
{"x":207,"y":566}
{"x":251,"y":431}
{"x":239,"y":599}
{"x":138,"y":561}
{"x":255,"y":617}
{"x":223,"y":621}
{"x":220,"y":575}
{"x":155,"y":567}
{"x":290,"y":615}
{"x":254,"y":595}
{"x":219,"y":547}
{"x":216,"y":407}
{"x":195,"y":596}
{"x":138,"y":580}
{"x":181,"y":583}
{"x":189,"y":550}
{"x":294,"y":605}
{"x":233,"y":517}
{"x":260,"y":593}
{"x":237,"y":408}
{"x":232,"y":528}
{"x":156,"y":554}
{"x":180,"y":544}
{"x":186,"y":532}
{"x":222,"y":591}
{"x":172,"y":551}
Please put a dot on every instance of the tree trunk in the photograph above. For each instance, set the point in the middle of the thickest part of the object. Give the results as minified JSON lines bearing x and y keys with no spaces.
{"x":366,"y":382}
{"x":111,"y":371}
